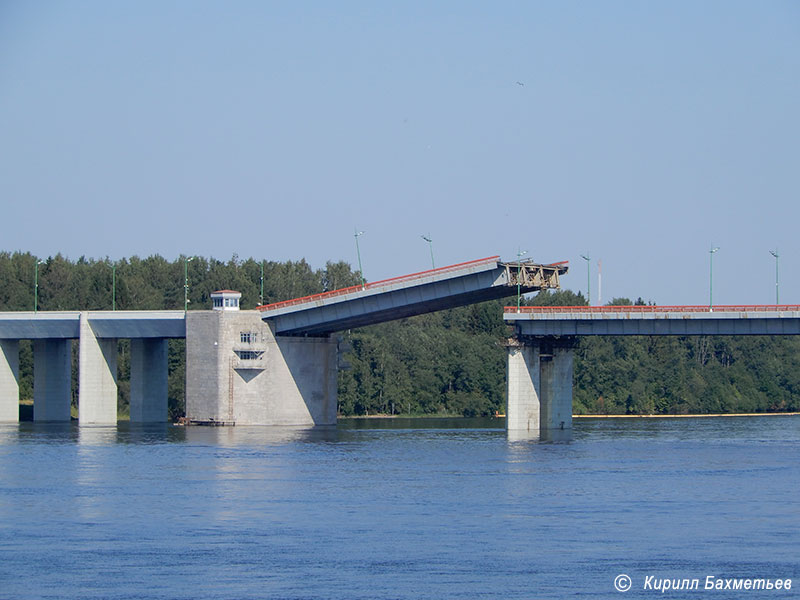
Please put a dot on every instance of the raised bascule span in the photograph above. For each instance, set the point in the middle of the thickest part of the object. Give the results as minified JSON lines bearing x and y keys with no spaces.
{"x":415,"y":294}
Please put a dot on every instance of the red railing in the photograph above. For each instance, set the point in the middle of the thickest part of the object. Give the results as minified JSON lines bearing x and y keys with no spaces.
{"x":375,"y":284}
{"x":653,"y":309}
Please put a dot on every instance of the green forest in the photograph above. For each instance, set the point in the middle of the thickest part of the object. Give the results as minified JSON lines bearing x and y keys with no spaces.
{"x":446,"y":363}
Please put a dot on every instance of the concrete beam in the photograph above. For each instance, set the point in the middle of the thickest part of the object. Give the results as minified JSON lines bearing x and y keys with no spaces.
{"x":9,"y":381}
{"x":134,"y":324}
{"x":148,"y":380}
{"x":52,"y":380}
{"x":97,"y":377}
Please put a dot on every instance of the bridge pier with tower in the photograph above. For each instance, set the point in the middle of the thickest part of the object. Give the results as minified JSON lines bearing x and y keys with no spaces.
{"x":277,"y":365}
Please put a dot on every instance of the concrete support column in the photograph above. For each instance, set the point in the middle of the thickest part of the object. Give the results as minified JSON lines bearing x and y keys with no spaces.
{"x":540,"y":386}
{"x":522,"y":404}
{"x":556,"y":389}
{"x":148,"y":380}
{"x":97,"y":377}
{"x":9,"y":381}
{"x":52,"y":379}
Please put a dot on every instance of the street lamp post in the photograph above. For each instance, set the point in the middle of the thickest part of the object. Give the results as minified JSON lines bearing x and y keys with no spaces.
{"x":261,"y":295}
{"x":714,"y":250}
{"x":36,"y":286}
{"x":520,"y":254}
{"x":776,"y":255}
{"x":186,"y":282}
{"x":358,"y":234}
{"x":113,"y":286}
{"x":428,"y":239}
{"x":588,"y":279}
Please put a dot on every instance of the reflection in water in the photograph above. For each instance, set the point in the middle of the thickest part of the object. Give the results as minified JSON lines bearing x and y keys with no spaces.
{"x":257,"y":435}
{"x":548,"y":435}
{"x":97,"y":435}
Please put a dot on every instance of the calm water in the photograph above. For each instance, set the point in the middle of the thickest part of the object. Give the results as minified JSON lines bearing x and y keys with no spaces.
{"x":396,"y":509}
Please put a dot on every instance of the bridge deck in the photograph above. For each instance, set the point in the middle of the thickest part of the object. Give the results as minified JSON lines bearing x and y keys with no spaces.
{"x":655,"y":320}
{"x":400,"y":297}
{"x":105,"y":324}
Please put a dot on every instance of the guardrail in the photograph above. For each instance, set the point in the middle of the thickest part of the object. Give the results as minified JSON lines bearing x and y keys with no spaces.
{"x":375,"y":284}
{"x":654,"y":309}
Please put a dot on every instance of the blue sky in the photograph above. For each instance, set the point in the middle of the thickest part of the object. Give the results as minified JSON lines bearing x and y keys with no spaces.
{"x":644,"y":132}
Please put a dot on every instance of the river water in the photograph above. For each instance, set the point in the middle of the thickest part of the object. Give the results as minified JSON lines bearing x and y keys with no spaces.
{"x":397,"y":509}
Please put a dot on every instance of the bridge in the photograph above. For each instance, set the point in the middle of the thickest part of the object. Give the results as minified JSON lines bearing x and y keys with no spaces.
{"x":274,"y":365}
{"x":97,"y":333}
{"x":409,"y":295}
{"x":540,"y":355}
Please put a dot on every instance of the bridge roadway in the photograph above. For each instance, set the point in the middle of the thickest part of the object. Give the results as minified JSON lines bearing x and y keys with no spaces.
{"x":655,"y":320}
{"x":400,"y":297}
{"x":120,"y":324}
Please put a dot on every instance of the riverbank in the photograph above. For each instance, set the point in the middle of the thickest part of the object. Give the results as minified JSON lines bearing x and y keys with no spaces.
{"x":690,"y":416}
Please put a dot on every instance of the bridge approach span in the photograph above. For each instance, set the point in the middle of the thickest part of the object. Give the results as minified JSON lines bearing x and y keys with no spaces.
{"x":64,"y":325}
{"x":540,"y":356}
{"x":655,"y":320}
{"x":446,"y":287}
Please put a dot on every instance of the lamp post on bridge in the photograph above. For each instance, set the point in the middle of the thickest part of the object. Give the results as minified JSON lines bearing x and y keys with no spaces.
{"x":714,"y":250}
{"x":261,"y":295}
{"x":357,"y":235}
{"x":36,"y":286}
{"x":428,"y":239}
{"x":587,"y":258}
{"x":775,"y":254}
{"x":186,"y":282}
{"x":113,"y":286}
{"x":520,"y":254}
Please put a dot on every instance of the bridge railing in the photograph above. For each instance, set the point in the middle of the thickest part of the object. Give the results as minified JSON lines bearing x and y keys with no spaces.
{"x":376,"y":284}
{"x":654,"y":309}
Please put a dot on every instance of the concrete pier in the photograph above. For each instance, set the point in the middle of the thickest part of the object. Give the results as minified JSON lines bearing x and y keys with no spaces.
{"x":523,"y":403}
{"x":9,"y":381}
{"x":52,"y":379}
{"x":97,"y":377}
{"x":148,"y":401}
{"x":555,"y":364}
{"x":239,"y":371}
{"x":540,"y":385}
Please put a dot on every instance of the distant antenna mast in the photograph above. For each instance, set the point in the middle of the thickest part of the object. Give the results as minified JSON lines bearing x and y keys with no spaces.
{"x":588,"y":260}
{"x":599,"y":283}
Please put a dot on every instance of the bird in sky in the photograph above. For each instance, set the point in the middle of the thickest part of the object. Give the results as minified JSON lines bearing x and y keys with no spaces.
{"x":520,"y":83}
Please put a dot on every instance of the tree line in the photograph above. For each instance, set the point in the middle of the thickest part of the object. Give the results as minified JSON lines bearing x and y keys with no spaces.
{"x":447,"y":363}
